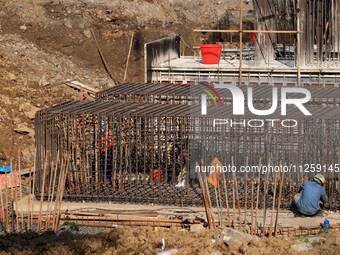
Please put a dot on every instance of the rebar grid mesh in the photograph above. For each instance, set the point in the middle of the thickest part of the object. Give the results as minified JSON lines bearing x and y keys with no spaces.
{"x":188,"y":93}
{"x":128,"y":152}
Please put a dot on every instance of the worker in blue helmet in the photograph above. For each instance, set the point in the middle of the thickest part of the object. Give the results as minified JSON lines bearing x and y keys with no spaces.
{"x":313,"y":191}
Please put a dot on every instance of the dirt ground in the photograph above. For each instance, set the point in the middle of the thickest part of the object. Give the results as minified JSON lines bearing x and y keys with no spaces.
{"x":44,"y":43}
{"x":147,"y":240}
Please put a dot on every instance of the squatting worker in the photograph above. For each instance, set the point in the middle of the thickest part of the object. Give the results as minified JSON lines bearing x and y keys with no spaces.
{"x":308,"y":202}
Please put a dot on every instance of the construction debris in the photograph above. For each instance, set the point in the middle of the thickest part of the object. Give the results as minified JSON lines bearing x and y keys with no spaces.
{"x":143,"y":143}
{"x":23,"y":130}
{"x":235,"y":239}
{"x":91,"y":91}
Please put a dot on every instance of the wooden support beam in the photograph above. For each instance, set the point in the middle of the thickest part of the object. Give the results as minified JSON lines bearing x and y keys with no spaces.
{"x":122,"y":218}
{"x":241,"y":43}
{"x":298,"y":44}
{"x":264,"y":45}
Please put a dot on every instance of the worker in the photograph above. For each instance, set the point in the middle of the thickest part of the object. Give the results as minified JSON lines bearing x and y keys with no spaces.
{"x":308,"y":202}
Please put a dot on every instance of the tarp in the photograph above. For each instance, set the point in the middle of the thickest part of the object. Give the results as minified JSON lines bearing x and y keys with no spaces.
{"x":4,"y":169}
{"x":9,"y":180}
{"x":213,"y":178}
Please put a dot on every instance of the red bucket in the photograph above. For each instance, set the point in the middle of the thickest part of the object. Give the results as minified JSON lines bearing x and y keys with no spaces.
{"x":211,"y":53}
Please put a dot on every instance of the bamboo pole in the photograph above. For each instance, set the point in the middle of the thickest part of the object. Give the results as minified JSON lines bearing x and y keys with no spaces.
{"x":265,"y":200}
{"x":273,"y":208}
{"x":245,"y":199}
{"x":60,"y":194}
{"x":107,"y":68}
{"x":20,"y":190}
{"x":42,"y":191}
{"x":2,"y":207}
{"x":258,"y":194}
{"x":238,"y":203}
{"x":218,"y":206}
{"x":61,"y":198}
{"x":13,"y":170}
{"x":252,"y":203}
{"x":211,"y":222}
{"x":298,"y":44}
{"x":220,"y":203}
{"x":205,"y":200}
{"x":16,"y":205}
{"x":49,"y":194}
{"x":233,"y":186}
{"x":205,"y":184}
{"x":128,"y":57}
{"x":241,"y":42}
{"x":226,"y":197}
{"x":29,"y":198}
{"x":279,"y":205}
{"x":32,"y":195}
{"x":6,"y":202}
{"x":52,"y":189}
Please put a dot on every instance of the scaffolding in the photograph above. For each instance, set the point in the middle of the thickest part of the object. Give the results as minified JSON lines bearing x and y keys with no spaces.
{"x":295,"y":41}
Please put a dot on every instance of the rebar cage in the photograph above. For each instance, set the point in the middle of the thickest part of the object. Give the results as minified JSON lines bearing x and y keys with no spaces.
{"x":188,"y":93}
{"x":125,"y":151}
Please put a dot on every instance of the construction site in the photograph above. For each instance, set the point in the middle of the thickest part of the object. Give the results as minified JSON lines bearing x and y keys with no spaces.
{"x":136,"y":127}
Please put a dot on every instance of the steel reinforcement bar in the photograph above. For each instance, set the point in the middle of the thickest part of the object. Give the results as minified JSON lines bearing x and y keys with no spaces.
{"x":147,"y":153}
{"x":189,"y":94}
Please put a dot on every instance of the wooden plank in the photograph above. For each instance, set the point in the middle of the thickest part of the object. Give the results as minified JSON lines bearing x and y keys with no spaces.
{"x":112,"y":214}
{"x":118,"y":224}
{"x":80,"y":86}
{"x":9,"y":180}
{"x":123,"y":218}
{"x":25,"y":171}
{"x":264,"y":50}
{"x":302,"y":25}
